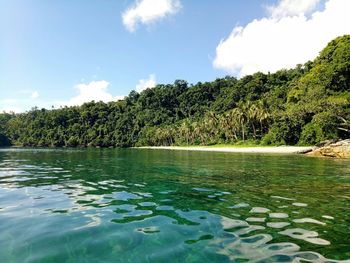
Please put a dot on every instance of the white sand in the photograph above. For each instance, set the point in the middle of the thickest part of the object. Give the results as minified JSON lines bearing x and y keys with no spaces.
{"x":275,"y":149}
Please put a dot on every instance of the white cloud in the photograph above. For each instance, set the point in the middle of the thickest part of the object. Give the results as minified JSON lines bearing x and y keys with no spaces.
{"x":10,"y":105}
{"x":24,"y":101}
{"x":271,"y":43}
{"x":28,"y":93}
{"x":148,"y":11}
{"x":34,"y":95}
{"x":95,"y":90}
{"x":10,"y":109}
{"x":122,"y":97}
{"x":292,"y":7}
{"x":146,"y":83}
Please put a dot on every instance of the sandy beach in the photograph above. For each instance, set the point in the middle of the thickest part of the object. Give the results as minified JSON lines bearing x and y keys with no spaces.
{"x":274,"y":149}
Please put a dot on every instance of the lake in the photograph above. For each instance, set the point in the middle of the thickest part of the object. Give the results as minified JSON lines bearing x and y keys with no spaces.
{"x":141,"y":205}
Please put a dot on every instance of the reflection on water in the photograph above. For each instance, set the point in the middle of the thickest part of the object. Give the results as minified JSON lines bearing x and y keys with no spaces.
{"x":156,"y":206}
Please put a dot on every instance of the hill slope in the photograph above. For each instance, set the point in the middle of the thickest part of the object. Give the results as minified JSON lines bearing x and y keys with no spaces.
{"x":303,"y":105}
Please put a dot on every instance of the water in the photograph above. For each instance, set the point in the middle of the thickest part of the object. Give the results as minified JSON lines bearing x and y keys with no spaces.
{"x":172,"y":206}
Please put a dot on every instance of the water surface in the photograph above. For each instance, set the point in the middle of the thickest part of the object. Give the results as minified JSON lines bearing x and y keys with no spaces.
{"x":133,"y":205}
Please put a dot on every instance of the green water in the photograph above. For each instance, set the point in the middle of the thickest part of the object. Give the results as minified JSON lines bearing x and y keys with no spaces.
{"x":172,"y":206}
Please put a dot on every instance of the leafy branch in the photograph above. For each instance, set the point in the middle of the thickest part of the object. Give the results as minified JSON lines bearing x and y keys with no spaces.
{"x":345,"y":126}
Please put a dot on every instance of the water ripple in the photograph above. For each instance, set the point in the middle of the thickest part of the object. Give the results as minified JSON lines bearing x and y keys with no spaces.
{"x":58,"y":208}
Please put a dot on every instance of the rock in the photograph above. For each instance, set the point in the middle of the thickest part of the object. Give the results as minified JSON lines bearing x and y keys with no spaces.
{"x":327,"y":142}
{"x":333,"y":148}
{"x":306,"y":150}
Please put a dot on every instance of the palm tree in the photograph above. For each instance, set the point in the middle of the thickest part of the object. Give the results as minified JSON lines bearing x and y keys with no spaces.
{"x":243,"y":116}
{"x":171,"y":134}
{"x":226,"y":127}
{"x":263,"y":115}
{"x":238,"y":115}
{"x":232,"y":124}
{"x":197,"y":131}
{"x":211,"y":122}
{"x":185,"y":130}
{"x":252,"y":114}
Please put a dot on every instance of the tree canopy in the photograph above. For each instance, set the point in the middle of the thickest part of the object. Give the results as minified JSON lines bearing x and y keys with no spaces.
{"x":303,"y":105}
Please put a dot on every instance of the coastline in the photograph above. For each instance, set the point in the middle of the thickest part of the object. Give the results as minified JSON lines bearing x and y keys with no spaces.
{"x":272,"y":149}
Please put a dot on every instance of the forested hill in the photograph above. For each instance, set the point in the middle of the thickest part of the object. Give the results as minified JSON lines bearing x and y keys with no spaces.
{"x":304,"y":105}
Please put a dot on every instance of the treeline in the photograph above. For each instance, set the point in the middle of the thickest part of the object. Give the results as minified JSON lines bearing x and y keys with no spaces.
{"x":304,"y":105}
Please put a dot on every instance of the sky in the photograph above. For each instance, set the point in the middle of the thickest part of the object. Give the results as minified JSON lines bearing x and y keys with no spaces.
{"x":63,"y":52}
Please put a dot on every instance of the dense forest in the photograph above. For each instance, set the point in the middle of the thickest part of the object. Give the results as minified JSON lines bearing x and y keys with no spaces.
{"x":304,"y":106}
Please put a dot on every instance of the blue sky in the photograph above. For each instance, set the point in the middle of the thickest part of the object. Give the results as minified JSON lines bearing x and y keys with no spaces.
{"x":67,"y":52}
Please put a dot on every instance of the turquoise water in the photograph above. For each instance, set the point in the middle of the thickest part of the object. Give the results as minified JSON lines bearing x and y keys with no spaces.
{"x":133,"y":205}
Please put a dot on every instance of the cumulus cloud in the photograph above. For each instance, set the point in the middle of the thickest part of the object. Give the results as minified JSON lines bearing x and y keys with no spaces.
{"x":95,"y":90}
{"x":271,"y":43}
{"x":34,"y":95}
{"x":23,"y":101}
{"x":146,"y":83}
{"x":292,"y":7}
{"x":148,"y":11}
{"x":27,"y":93}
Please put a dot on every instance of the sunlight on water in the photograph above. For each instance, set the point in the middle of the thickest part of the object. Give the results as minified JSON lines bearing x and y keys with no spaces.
{"x":161,"y":206}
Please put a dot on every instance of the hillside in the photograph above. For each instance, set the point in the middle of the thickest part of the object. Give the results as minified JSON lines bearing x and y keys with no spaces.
{"x":304,"y":105}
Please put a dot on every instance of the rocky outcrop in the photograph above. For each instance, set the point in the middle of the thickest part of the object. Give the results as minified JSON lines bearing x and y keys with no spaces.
{"x":333,"y":148}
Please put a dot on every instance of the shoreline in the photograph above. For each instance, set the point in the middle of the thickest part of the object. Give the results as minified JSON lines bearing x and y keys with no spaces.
{"x":268,"y":149}
{"x":214,"y":148}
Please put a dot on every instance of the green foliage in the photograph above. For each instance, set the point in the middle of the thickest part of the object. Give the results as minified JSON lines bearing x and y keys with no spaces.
{"x":298,"y":106}
{"x":311,"y":134}
{"x":4,"y":139}
{"x":273,"y":137}
{"x":330,"y":72}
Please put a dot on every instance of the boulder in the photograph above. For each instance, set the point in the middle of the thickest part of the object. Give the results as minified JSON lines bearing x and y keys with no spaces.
{"x":333,"y":148}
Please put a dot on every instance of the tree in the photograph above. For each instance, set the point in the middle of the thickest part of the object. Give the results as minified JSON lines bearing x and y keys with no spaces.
{"x":300,"y":105}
